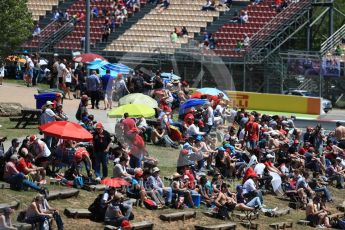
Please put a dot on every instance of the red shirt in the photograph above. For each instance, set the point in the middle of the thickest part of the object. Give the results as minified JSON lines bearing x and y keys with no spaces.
{"x":22,"y":164}
{"x":191,"y":179}
{"x":302,"y":151}
{"x":268,"y":164}
{"x":128,"y":124}
{"x":253,"y":131}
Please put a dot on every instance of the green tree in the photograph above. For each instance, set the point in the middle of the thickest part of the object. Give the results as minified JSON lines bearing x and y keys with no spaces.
{"x":15,"y":25}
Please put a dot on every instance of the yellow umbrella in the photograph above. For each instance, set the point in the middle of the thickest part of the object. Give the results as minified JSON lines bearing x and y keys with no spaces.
{"x":133,"y":110}
{"x":138,"y":98}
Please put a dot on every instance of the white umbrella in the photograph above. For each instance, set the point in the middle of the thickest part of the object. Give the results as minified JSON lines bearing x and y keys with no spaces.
{"x":43,"y":62}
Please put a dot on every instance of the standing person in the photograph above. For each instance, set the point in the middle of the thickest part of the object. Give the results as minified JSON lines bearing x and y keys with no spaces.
{"x":120,"y":87}
{"x":68,"y":81}
{"x":54,"y":81}
{"x":101,"y":145}
{"x":29,"y":71}
{"x":2,"y":73}
{"x":41,"y":152}
{"x":82,"y":109}
{"x":62,"y":71}
{"x":107,"y":87}
{"x":79,"y":80}
{"x":252,"y":133}
{"x":92,"y":86}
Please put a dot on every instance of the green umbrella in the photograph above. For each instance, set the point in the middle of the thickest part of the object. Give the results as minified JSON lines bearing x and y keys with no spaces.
{"x":133,"y":110}
{"x":138,"y":98}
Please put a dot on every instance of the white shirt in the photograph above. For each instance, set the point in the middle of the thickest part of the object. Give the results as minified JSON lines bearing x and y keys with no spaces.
{"x":2,"y":71}
{"x":68,"y":77}
{"x":210,"y":116}
{"x":192,"y":130}
{"x":47,"y":116}
{"x":249,"y":186}
{"x":61,"y":69}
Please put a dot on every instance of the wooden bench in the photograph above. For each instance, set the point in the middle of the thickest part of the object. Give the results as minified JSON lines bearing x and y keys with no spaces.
{"x":12,"y":205}
{"x":4,"y":185}
{"x":62,"y":194}
{"x":144,"y":225}
{"x":249,"y":225}
{"x":304,"y":222}
{"x":281,"y":225}
{"x":77,"y":213}
{"x":245,"y":216}
{"x":178,"y":216}
{"x":227,"y":226}
{"x":27,"y":116}
{"x":278,"y":213}
{"x":97,"y":187}
{"x":22,"y":226}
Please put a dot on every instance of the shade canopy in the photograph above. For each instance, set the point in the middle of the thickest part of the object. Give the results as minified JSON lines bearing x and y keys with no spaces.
{"x":213,"y":92}
{"x":88,"y":57}
{"x":66,"y":130}
{"x":190,"y":103}
{"x":138,"y":98}
{"x":133,"y":110}
{"x":114,"y":182}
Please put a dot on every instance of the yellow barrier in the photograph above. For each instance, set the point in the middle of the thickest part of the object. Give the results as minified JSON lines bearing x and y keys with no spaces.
{"x":275,"y":102}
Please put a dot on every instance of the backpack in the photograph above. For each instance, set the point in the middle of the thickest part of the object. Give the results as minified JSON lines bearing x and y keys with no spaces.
{"x":78,"y":182}
{"x":341,"y":223}
{"x":150,"y":204}
{"x":98,"y":212}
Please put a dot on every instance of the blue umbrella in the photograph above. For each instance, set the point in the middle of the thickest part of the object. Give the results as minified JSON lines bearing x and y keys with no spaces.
{"x":170,"y":76}
{"x":97,"y":64}
{"x":190,"y":103}
{"x":213,"y":92}
{"x":120,"y":68}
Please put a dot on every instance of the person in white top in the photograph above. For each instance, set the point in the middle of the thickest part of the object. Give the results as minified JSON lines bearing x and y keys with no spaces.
{"x":68,"y":81}
{"x":250,"y":190}
{"x":210,"y":117}
{"x":41,"y":151}
{"x":2,"y":73}
{"x":62,"y":71}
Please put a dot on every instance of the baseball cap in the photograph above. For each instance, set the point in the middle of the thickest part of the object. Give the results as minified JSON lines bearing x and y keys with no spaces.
{"x":296,"y":142}
{"x":32,"y":138}
{"x":49,"y":103}
{"x":99,"y":125}
{"x":155,"y":169}
{"x":184,"y":152}
{"x":221,"y":149}
{"x":239,"y":187}
{"x":227,"y":145}
{"x":269,"y":156}
{"x":139,"y":173}
{"x":126,"y":224}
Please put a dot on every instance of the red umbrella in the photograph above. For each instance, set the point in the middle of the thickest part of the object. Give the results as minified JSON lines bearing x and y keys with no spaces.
{"x":66,"y":130}
{"x":197,"y":95}
{"x":114,"y":182}
{"x":88,"y":57}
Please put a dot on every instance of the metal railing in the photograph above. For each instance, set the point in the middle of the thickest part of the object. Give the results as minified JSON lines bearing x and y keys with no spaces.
{"x":334,"y":40}
{"x":271,"y":36}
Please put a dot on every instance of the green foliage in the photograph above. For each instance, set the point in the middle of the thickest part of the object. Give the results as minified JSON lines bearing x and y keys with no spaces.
{"x":15,"y":25}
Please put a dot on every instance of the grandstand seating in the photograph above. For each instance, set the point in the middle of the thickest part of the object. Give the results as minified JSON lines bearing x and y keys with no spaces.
{"x":73,"y":40}
{"x":228,"y":35}
{"x":40,"y":7}
{"x":152,"y":33}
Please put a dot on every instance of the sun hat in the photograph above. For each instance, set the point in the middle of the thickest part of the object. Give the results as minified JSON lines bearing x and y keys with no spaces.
{"x":155,"y":169}
{"x":176,"y":175}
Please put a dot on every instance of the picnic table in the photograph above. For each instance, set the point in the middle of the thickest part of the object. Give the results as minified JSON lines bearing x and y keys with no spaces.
{"x":27,"y":116}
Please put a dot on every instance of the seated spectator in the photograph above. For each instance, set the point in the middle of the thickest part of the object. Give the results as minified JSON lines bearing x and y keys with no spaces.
{"x":184,"y":32}
{"x":209,"y":5}
{"x":226,"y":3}
{"x":37,"y":31}
{"x":164,"y":6}
{"x":35,"y":215}
{"x":5,"y":219}
{"x":47,"y":209}
{"x":120,"y":169}
{"x":239,"y":46}
{"x":318,"y":217}
{"x":181,"y":195}
{"x":118,"y":211}
{"x":244,"y":17}
{"x":339,"y":51}
{"x":17,"y":179}
{"x":173,"y":37}
{"x":95,"y":12}
{"x":178,"y":31}
{"x":155,"y":182}
{"x":160,"y":136}
{"x":26,"y":167}
{"x":246,"y":40}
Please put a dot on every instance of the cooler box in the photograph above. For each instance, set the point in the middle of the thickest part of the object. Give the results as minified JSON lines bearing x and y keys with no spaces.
{"x":196,"y":200}
{"x":41,"y":99}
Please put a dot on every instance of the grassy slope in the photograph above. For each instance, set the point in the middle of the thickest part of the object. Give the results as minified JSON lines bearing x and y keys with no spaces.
{"x":167,"y":158}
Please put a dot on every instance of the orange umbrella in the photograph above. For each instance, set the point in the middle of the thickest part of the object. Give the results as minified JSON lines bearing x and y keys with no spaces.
{"x":66,"y":130}
{"x":114,"y":182}
{"x":197,"y":95}
{"x":175,"y":133}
